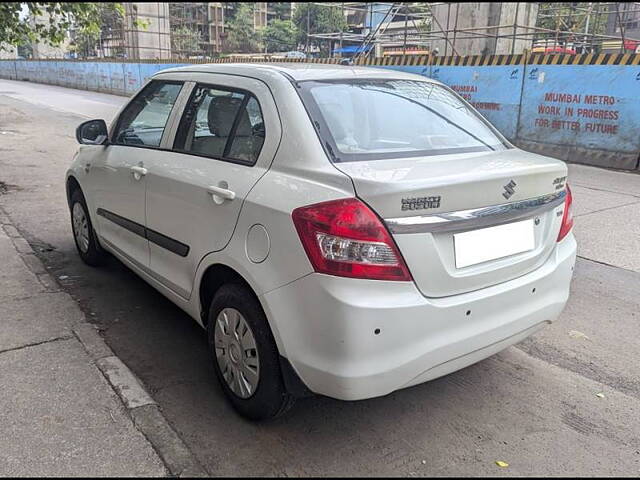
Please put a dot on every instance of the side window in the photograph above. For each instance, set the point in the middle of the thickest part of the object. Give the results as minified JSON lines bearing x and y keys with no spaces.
{"x":222,"y":124}
{"x":249,"y":137}
{"x":143,"y":120}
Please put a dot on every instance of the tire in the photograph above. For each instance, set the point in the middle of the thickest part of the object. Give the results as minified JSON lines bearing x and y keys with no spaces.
{"x":268,"y":397}
{"x":87,"y":244}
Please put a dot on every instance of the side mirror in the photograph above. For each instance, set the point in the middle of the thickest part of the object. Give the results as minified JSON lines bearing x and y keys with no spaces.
{"x":93,"y":132}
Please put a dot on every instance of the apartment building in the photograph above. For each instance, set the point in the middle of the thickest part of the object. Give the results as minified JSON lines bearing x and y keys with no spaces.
{"x":623,"y":20}
{"x":211,"y":20}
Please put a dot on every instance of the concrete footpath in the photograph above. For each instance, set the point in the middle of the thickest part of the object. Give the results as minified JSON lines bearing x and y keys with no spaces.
{"x":68,"y":405}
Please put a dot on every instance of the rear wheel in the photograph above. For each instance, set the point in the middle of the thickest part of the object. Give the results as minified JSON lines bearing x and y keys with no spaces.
{"x":83,"y":233}
{"x":245,"y":356}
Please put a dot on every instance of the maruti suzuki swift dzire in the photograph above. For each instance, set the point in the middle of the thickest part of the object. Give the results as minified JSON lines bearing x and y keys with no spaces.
{"x":340,"y":231}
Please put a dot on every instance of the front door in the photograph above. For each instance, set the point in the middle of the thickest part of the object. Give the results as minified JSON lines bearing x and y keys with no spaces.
{"x":119,"y":180}
{"x":225,"y":141}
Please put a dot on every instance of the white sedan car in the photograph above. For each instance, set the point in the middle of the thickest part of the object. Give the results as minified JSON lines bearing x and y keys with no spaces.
{"x":341,"y":231}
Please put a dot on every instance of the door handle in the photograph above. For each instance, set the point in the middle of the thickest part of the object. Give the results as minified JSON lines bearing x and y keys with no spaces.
{"x":138,"y":172}
{"x":220,"y":194}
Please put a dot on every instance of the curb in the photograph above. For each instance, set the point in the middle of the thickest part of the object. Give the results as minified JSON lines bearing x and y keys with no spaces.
{"x":143,"y":410}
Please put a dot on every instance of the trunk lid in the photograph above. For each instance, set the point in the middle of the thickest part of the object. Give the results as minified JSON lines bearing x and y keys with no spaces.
{"x":457,"y":183}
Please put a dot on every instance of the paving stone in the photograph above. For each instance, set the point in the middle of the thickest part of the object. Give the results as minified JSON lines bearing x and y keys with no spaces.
{"x":60,"y":417}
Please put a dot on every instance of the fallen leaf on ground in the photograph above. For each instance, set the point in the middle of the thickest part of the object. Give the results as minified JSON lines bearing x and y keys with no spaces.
{"x":502,"y":464}
{"x":577,"y":334}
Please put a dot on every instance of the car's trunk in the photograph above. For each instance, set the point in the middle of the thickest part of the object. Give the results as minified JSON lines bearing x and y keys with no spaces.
{"x":464,"y":182}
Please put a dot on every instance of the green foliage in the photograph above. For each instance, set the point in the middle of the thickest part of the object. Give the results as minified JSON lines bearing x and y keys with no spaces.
{"x":282,"y":10}
{"x":110,"y":17}
{"x":279,"y":36}
{"x":17,"y":28}
{"x":242,"y":37}
{"x":25,"y":50}
{"x":320,"y":19}
{"x":571,"y":17}
{"x":186,"y":42}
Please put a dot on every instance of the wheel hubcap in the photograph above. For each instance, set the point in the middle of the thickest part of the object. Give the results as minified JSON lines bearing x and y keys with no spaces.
{"x":236,"y":352}
{"x":80,"y":227}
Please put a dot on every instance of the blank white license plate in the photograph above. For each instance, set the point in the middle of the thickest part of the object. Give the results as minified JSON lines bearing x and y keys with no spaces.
{"x":490,"y":243}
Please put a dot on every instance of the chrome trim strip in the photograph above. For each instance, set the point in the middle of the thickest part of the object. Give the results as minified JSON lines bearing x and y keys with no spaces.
{"x":475,"y":218}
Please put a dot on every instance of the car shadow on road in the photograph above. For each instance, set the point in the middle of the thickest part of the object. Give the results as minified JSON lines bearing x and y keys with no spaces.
{"x":391,"y":435}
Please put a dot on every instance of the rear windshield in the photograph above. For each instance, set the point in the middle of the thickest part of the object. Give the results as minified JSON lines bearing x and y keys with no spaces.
{"x":371,"y":119}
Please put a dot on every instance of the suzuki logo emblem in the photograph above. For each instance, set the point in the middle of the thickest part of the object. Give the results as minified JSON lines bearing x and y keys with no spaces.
{"x":509,"y":189}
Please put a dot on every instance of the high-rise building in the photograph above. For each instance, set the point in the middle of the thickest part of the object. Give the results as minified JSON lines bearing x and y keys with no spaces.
{"x":623,"y":21}
{"x":211,"y":20}
{"x":159,"y":30}
{"x":191,"y":27}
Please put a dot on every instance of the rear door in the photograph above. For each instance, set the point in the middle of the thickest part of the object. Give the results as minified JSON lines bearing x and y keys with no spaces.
{"x":224,"y":142}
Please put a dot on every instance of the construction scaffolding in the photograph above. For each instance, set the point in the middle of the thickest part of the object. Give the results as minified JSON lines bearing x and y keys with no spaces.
{"x":460,"y":28}
{"x":200,"y":30}
{"x":164,"y":30}
{"x":136,"y":31}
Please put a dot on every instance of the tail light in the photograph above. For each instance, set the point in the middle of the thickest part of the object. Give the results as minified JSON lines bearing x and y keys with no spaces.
{"x":567,"y":218}
{"x":345,"y":238}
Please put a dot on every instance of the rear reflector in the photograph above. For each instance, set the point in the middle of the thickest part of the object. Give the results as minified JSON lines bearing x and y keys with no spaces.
{"x":345,"y":238}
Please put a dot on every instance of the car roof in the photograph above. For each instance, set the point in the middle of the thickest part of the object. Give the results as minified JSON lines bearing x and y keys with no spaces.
{"x":299,"y":71}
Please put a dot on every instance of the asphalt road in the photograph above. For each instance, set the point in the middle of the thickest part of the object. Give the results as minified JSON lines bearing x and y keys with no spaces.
{"x":535,"y":406}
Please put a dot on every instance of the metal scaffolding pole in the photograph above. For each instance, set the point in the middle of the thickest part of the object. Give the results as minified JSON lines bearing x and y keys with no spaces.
{"x":572,"y":21}
{"x":192,"y":29}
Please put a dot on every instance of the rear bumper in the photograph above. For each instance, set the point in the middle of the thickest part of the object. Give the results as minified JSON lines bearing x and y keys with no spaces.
{"x":354,"y":339}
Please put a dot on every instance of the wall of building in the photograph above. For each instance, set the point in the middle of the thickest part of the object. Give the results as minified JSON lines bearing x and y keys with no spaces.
{"x":512,"y":13}
{"x":43,"y":49}
{"x":449,"y":16}
{"x":473,"y":15}
{"x":628,"y":20}
{"x":8,"y":51}
{"x":581,"y":108}
{"x":153,"y":40}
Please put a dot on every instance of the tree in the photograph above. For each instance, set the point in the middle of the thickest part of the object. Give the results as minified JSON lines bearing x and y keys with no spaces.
{"x":44,"y":22}
{"x":110,"y":18}
{"x":314,"y":18}
{"x":570,"y":18}
{"x":186,"y":42}
{"x":279,"y":36}
{"x":25,"y":50}
{"x":282,"y":10}
{"x":242,"y":36}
